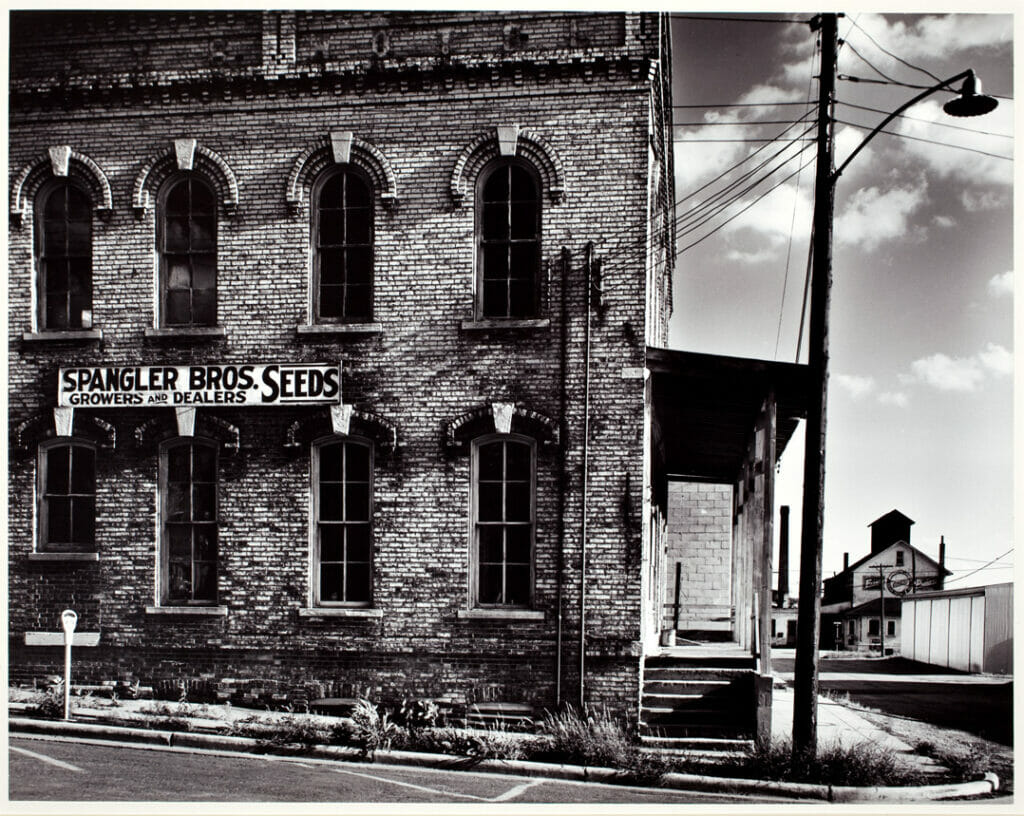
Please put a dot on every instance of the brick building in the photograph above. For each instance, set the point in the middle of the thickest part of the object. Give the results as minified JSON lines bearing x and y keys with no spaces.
{"x":330,"y":339}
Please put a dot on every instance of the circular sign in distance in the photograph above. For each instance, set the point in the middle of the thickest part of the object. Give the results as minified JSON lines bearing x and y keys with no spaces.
{"x":898,"y":582}
{"x":68,"y":619}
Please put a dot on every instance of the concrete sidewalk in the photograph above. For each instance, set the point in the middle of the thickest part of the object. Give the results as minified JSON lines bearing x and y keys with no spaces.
{"x":838,"y":724}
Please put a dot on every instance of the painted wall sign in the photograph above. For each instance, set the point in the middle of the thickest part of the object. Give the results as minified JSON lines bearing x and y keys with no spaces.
{"x":236,"y":385}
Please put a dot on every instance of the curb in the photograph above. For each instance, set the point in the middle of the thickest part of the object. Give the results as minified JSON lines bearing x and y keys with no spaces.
{"x":677,"y":781}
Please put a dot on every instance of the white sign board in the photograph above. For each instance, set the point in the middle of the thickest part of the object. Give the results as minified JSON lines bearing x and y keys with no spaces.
{"x":196,"y":385}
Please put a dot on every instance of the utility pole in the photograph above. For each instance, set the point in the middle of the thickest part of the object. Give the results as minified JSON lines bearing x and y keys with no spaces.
{"x":805,"y":699}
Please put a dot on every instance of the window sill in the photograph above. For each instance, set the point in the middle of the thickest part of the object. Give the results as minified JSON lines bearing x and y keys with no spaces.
{"x":68,"y":336}
{"x":196,"y":611}
{"x":63,"y":556}
{"x":502,"y":324}
{"x":185,"y":333}
{"x":340,"y":612}
{"x":501,"y":614}
{"x":341,"y":329}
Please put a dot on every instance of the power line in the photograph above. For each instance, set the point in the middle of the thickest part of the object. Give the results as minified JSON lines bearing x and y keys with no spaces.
{"x":870,"y":64}
{"x":738,"y":105}
{"x":746,"y":122}
{"x":927,"y":141}
{"x":851,"y":78}
{"x":730,"y":141}
{"x":979,"y":569}
{"x":889,"y":53}
{"x":738,"y":19}
{"x":738,"y":214}
{"x":926,"y":121}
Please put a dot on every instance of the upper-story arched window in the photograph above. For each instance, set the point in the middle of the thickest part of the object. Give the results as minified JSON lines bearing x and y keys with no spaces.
{"x":342,"y":247}
{"x":187,"y":241}
{"x":508,"y":240}
{"x":63,"y":220}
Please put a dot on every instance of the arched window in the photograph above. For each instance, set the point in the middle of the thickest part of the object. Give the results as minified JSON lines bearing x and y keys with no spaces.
{"x":342,"y":475}
{"x":503,"y":520}
{"x":342,"y":247}
{"x":187,"y":243}
{"x":67,"y":496}
{"x":508,"y":238}
{"x":63,"y":217}
{"x":188,"y":502}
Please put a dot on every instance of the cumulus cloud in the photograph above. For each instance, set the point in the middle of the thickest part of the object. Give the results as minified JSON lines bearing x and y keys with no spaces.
{"x":961,"y":373}
{"x":977,"y":201}
{"x":1001,"y":285}
{"x":873,"y":216}
{"x":996,"y":359}
{"x":944,"y":221}
{"x":855,"y":385}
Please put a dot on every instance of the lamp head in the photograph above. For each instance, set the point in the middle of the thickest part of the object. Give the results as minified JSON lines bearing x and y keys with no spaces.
{"x":971,"y":102}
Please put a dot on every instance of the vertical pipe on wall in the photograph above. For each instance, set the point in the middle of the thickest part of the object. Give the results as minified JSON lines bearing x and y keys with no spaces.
{"x":562,"y":443}
{"x":588,"y":268}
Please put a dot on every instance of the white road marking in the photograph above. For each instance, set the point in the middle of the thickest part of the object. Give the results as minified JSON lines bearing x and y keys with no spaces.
{"x":423,"y":788}
{"x":67,"y":766}
{"x":511,"y":793}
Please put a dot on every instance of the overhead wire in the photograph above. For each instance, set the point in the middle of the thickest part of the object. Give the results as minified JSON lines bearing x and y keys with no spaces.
{"x":925,"y":121}
{"x":979,"y":569}
{"x":885,"y":51}
{"x":927,"y":141}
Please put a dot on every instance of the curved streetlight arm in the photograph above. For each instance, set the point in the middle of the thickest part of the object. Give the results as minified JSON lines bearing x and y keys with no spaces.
{"x":938,"y":87}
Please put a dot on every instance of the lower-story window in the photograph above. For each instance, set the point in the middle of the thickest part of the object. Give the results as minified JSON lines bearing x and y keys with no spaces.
{"x":188,"y":496}
{"x":503,"y":521}
{"x":342,"y":475}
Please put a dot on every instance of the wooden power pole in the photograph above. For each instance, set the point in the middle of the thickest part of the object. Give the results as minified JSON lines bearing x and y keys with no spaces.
{"x":805,"y":699}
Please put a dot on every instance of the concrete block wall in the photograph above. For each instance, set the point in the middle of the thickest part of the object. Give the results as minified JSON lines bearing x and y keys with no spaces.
{"x":699,"y":537}
{"x":420,"y":372}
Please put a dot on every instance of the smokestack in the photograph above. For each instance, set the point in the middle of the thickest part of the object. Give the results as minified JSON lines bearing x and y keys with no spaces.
{"x":846,"y":561}
{"x":783,"y":554}
{"x":941,"y":580}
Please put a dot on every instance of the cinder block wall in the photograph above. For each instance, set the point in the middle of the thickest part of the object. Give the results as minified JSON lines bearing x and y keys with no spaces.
{"x":699,"y":537}
{"x":119,"y":94}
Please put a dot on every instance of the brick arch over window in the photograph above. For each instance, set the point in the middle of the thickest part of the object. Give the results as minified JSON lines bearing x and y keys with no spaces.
{"x":61,"y":161}
{"x":340,"y":148}
{"x":185,"y":154}
{"x":163,"y":426}
{"x":508,"y":141}
{"x":30,"y":432}
{"x":489,"y":418}
{"x":316,"y":424}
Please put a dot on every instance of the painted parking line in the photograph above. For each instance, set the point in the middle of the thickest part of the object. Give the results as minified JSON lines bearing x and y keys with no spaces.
{"x":512,"y":793}
{"x":421,"y":788}
{"x":67,"y":766}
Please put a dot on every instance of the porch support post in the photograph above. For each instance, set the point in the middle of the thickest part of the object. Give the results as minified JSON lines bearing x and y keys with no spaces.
{"x":768,"y":529}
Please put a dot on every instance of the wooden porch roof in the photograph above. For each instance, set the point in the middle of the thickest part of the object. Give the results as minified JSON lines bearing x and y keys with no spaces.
{"x":706,"y":407}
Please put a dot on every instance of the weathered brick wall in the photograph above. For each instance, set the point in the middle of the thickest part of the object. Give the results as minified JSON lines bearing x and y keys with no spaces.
{"x":699,"y":537}
{"x":420,"y":372}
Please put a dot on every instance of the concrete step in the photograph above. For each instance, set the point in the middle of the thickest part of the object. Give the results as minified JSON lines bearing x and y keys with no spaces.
{"x":685,"y":685}
{"x":700,"y":662}
{"x":708,"y":730}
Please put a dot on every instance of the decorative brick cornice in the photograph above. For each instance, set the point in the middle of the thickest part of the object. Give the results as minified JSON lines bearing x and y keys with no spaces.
{"x":77,"y":166}
{"x":317,"y":157}
{"x":28,"y":433}
{"x":163,"y":164}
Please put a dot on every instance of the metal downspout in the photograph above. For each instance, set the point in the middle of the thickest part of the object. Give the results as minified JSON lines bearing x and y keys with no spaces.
{"x":588,"y":263}
{"x":562,"y":442}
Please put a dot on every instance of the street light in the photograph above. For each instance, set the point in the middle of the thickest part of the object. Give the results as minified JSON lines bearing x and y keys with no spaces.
{"x":970,"y":102}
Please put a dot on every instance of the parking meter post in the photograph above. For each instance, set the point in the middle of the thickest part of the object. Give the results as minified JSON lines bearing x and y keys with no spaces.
{"x":68,"y":620}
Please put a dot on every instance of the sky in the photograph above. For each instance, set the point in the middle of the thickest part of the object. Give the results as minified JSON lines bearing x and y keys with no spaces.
{"x":920,"y":403}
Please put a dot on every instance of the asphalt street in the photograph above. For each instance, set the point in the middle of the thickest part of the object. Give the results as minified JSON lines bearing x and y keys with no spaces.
{"x":53,"y":769}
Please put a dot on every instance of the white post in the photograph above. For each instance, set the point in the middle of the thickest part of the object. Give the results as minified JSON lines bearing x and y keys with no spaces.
{"x":68,"y":619}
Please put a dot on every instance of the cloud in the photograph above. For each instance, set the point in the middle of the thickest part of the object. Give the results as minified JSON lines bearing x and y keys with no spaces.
{"x":1001,"y":285}
{"x":897,"y":398}
{"x":872,"y":216}
{"x":855,"y":385}
{"x":944,"y":221}
{"x":981,"y":202}
{"x":996,"y":359}
{"x":931,"y":37}
{"x":963,"y":374}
